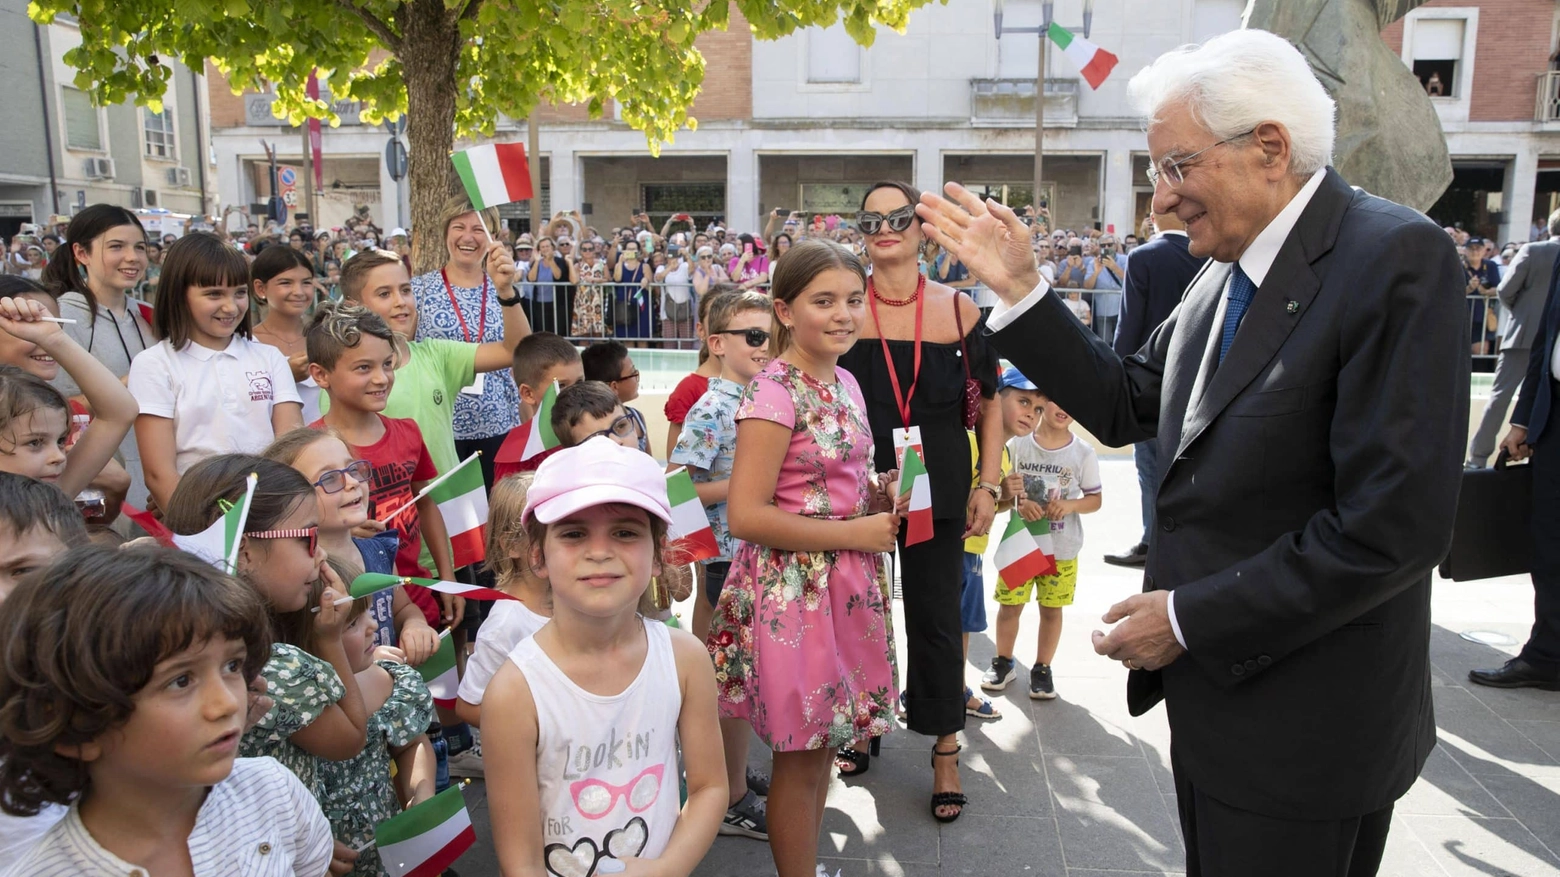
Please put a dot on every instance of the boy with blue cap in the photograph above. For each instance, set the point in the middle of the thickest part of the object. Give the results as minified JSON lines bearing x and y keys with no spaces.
{"x":1020,"y":401}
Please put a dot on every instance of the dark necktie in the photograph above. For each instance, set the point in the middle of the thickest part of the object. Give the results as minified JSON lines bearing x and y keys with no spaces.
{"x":1242,"y":290}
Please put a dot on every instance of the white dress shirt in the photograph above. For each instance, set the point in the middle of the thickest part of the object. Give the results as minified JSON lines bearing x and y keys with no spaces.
{"x":1256,"y":262}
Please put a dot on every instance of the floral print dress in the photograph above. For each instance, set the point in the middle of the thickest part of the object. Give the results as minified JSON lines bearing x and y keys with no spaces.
{"x":358,"y":792}
{"x":589,"y":319}
{"x":802,"y":640}
{"x":302,"y":686}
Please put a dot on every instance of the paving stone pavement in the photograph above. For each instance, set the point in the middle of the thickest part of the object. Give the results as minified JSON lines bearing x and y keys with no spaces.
{"x":1077,"y":788}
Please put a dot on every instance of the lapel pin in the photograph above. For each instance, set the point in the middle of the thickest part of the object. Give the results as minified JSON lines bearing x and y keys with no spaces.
{"x":1292,"y":306}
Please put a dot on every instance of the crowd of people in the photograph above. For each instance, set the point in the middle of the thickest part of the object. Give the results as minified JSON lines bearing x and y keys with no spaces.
{"x":333,"y":395}
{"x":300,"y":394}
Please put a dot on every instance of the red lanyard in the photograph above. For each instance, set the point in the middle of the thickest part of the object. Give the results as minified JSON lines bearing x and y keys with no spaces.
{"x":900,"y":399}
{"x":481,"y":323}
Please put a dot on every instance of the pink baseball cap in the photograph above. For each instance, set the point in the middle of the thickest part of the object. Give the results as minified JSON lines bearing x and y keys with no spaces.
{"x":598,"y":472}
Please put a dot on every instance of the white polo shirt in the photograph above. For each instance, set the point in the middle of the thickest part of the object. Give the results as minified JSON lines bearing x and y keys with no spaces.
{"x":259,"y":821}
{"x":220,"y":401}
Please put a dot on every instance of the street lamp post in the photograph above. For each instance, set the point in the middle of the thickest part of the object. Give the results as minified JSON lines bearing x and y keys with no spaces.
{"x":1046,"y":9}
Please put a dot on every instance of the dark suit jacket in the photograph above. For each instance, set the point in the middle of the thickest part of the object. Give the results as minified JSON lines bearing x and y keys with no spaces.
{"x":1158,"y":273}
{"x":1309,"y":485}
{"x":1532,"y":409}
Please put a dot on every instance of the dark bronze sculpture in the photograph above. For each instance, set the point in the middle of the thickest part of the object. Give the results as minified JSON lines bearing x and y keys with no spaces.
{"x":1390,"y":141}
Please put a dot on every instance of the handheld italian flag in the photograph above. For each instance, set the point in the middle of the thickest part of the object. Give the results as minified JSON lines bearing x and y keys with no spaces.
{"x":462,"y":500}
{"x":1092,"y":61}
{"x":914,"y":481}
{"x":1020,"y":555}
{"x":439,"y":672}
{"x":370,"y":582}
{"x":495,"y":173}
{"x":218,"y":543}
{"x":426,"y":839}
{"x":690,"y":532}
{"x":539,"y":435}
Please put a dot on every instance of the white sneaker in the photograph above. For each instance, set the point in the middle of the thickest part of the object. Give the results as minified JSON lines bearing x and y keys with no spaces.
{"x":467,"y":764}
{"x":824,"y":872}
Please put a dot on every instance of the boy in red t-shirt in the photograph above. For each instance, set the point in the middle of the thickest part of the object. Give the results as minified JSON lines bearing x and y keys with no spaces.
{"x":353,"y":356}
{"x":540,"y":359}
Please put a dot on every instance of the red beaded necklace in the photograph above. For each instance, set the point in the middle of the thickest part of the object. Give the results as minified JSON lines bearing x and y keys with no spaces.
{"x":920,"y":284}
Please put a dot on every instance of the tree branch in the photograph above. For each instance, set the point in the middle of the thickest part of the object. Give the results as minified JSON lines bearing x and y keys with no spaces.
{"x":376,"y":26}
{"x":471,"y":10}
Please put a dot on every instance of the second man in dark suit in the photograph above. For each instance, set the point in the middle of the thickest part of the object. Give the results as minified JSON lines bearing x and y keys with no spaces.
{"x":1535,"y":431}
{"x":1157,"y":275}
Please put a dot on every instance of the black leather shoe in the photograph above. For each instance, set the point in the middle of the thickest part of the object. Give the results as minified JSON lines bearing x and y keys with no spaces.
{"x":1516,"y":673}
{"x":1137,"y":555}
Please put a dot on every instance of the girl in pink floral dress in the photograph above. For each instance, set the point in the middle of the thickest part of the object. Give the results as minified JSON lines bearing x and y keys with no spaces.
{"x":801,"y":638}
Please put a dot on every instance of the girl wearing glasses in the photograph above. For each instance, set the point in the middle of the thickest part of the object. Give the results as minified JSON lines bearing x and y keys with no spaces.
{"x":924,"y":368}
{"x":319,"y":711}
{"x":341,"y":489}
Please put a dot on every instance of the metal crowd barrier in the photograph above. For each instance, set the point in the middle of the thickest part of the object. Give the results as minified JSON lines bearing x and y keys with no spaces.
{"x":650,"y":315}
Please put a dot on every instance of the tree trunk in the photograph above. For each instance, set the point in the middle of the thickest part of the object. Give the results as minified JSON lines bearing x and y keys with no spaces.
{"x":428,"y":57}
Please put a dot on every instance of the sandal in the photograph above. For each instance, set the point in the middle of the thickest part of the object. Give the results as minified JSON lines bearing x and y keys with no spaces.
{"x":947,"y":799}
{"x":852,"y":762}
{"x":985,"y":710}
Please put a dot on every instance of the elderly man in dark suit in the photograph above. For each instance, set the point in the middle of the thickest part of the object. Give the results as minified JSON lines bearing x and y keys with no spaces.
{"x":1310,"y":396}
{"x":1533,"y":433}
{"x":1157,"y":275}
{"x":1522,"y":294}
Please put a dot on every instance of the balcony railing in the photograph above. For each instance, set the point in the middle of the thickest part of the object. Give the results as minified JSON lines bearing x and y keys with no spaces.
{"x":1012,"y":102}
{"x":1548,"y":109}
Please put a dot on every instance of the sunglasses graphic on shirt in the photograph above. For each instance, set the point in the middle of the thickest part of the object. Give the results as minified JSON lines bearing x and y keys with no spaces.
{"x":595,"y":798}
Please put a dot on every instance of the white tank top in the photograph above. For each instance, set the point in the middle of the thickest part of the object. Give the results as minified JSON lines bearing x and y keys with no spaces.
{"x":606,"y":766}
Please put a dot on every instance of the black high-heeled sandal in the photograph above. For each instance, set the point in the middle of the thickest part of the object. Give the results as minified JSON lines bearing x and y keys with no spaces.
{"x":860,"y":762}
{"x":947,"y":799}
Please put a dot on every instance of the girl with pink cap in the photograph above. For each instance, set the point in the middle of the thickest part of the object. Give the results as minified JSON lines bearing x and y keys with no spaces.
{"x":593,"y":706}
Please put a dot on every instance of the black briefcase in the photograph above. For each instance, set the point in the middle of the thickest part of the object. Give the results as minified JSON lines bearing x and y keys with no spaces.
{"x":1492,"y":536}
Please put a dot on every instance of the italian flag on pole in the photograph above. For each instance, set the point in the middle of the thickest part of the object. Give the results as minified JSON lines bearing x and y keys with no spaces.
{"x":218,"y":543}
{"x":1020,"y":554}
{"x":423,"y":841}
{"x":1092,"y":61}
{"x":913,"y":480}
{"x":539,"y":435}
{"x":690,"y":531}
{"x":439,"y":672}
{"x":494,"y":174}
{"x":462,"y":500}
{"x":370,"y":582}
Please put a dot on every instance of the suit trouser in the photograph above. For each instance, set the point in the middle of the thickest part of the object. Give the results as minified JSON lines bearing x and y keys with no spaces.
{"x":1543,"y":646}
{"x":1510,"y":367}
{"x":1145,"y":455}
{"x":933,"y":575}
{"x":1225,"y":841}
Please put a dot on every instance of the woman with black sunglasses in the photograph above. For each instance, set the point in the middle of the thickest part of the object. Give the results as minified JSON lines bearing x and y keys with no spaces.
{"x":916,"y":357}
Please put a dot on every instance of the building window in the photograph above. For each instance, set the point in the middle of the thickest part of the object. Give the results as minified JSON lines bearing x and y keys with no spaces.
{"x":160,"y":137}
{"x":82,"y":130}
{"x":703,"y":201}
{"x":1437,"y":54}
{"x":832,"y":56}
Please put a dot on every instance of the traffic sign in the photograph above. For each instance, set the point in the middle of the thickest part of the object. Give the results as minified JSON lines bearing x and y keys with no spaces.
{"x":395,"y":159}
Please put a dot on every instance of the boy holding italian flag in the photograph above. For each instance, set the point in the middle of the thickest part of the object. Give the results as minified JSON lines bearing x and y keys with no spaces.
{"x":1019,"y":401}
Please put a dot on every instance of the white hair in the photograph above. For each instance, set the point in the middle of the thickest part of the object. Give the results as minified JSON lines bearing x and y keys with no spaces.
{"x":1234,"y":82}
